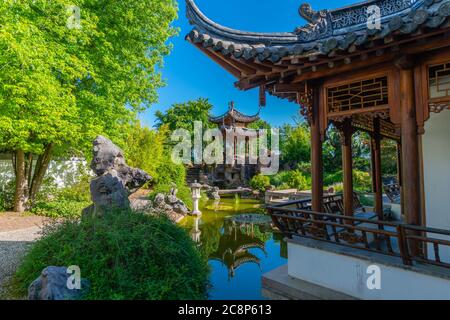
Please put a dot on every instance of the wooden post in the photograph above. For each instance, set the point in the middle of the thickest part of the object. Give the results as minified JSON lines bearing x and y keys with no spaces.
{"x":410,"y":155}
{"x":316,"y":153}
{"x":410,"y":152}
{"x":347,"y":164}
{"x":376,"y":158}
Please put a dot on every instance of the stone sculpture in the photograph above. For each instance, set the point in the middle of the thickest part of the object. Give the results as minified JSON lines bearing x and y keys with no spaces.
{"x":115,"y":180}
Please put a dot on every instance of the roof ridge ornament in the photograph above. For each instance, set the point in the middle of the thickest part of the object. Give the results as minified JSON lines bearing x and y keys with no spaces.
{"x":319,"y":23}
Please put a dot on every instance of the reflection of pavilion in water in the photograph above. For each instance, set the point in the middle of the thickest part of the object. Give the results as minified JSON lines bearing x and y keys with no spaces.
{"x":235,"y":243}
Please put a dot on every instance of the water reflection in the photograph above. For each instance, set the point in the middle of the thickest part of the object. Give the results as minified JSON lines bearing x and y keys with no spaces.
{"x":240,"y":244}
{"x":235,"y":245}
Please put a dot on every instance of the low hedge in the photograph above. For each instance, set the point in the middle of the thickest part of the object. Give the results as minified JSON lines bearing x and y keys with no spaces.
{"x":124,"y":255}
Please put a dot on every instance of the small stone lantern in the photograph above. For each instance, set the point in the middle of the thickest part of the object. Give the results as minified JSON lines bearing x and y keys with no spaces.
{"x":195,"y":189}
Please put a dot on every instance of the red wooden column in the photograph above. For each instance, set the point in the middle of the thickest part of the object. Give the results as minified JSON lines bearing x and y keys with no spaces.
{"x":316,"y":152}
{"x":410,"y":150}
{"x":347,"y":166}
{"x":376,"y":168}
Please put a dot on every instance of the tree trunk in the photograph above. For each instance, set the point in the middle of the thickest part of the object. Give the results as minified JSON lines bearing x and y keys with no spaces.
{"x":39,"y":171}
{"x":21,"y":192}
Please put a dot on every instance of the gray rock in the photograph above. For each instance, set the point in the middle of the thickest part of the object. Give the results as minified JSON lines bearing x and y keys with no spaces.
{"x":171,"y":199}
{"x":115,"y":180}
{"x":159,"y":200}
{"x":212,"y":193}
{"x":52,"y":285}
{"x":180,"y":208}
{"x":169,"y":203}
{"x":141,"y":205}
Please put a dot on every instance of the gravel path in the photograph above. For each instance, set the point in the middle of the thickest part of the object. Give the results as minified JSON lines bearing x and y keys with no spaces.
{"x":16,"y":234}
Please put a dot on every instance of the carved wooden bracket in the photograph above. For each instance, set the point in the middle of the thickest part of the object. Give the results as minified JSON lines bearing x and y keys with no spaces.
{"x":305,"y":100}
{"x":438,"y":107}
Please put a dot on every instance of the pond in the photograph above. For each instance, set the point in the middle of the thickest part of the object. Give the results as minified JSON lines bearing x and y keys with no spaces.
{"x":240,"y":243}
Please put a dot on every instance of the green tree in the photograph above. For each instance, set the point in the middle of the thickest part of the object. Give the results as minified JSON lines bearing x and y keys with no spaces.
{"x":295,"y":144}
{"x":145,"y":148}
{"x":388,"y":157}
{"x":183,"y":115}
{"x":62,"y":84}
{"x":332,"y":151}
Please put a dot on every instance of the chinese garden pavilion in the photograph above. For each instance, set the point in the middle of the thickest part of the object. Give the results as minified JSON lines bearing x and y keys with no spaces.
{"x":233,"y":174}
{"x":389,"y":77}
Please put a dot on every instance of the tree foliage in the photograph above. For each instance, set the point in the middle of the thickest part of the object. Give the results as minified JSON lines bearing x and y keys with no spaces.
{"x":295,"y":144}
{"x":183,"y":115}
{"x":62,"y":85}
{"x":145,"y":148}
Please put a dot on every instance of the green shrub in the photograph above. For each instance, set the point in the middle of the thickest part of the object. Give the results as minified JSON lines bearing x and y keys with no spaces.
{"x":260,"y":182}
{"x":79,"y":191}
{"x":361,"y":180}
{"x":124,"y":256}
{"x":330,"y":179}
{"x":171,"y":175}
{"x":279,"y":179}
{"x":170,"y":172}
{"x":7,"y":195}
{"x":296,"y":179}
{"x":63,"y":203}
{"x":59,"y":208}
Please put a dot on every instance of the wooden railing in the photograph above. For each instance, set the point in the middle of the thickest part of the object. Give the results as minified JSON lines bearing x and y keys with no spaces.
{"x":408,"y":242}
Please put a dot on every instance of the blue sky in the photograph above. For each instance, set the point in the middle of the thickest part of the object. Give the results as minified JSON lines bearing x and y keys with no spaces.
{"x":190,"y":74}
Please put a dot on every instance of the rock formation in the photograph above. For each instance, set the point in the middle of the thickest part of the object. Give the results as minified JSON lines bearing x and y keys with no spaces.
{"x":52,"y":284}
{"x":212,"y":192}
{"x":115,"y":180}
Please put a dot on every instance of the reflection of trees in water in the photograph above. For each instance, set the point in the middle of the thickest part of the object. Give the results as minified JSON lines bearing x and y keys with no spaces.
{"x":236,"y":241}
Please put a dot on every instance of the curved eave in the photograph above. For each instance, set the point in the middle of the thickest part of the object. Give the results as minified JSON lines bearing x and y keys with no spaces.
{"x":238,"y":47}
{"x":236,"y":115}
{"x":207,"y":26}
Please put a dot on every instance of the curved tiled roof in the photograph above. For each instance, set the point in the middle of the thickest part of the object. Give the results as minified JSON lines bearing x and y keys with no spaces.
{"x":325,"y":31}
{"x":235,"y":115}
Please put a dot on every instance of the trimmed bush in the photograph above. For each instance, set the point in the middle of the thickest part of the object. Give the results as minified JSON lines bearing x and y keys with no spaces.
{"x":124,"y":256}
{"x":260,"y":182}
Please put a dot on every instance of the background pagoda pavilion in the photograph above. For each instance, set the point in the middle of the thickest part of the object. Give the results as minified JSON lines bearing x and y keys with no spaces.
{"x":228,"y":175}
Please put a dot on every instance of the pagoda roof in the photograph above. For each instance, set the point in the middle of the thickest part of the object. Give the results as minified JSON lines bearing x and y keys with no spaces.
{"x":235,"y":115}
{"x":325,"y":30}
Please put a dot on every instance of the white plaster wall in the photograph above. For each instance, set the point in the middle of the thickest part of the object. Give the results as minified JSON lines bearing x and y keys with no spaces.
{"x":63,"y":172}
{"x":436,"y":169}
{"x":349,"y":275}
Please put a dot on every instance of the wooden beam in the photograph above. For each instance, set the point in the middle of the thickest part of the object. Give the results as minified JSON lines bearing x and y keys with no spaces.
{"x":326,"y":71}
{"x":288,"y":88}
{"x":243,"y":68}
{"x":224,"y":64}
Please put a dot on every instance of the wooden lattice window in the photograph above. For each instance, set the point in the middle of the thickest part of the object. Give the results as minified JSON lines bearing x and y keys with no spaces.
{"x":439,"y":81}
{"x":363,"y":94}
